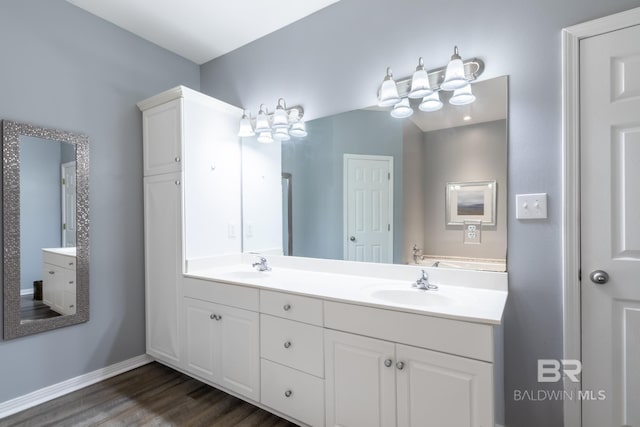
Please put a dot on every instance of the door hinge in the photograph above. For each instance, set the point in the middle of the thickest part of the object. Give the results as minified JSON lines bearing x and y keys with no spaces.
{"x":389,"y":176}
{"x":580,"y":274}
{"x":388,"y":227}
{"x":64,"y":182}
{"x":64,"y":226}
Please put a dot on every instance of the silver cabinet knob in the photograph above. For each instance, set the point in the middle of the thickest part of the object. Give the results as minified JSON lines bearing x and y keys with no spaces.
{"x":352,"y":238}
{"x":177,"y":159}
{"x":288,"y":393}
{"x":400,"y":365}
{"x":212,"y":316}
{"x":287,"y":307}
{"x":599,"y":277}
{"x":52,"y":272}
{"x":177,"y":182}
{"x":388,"y":363}
{"x":219,"y":317}
{"x":215,"y":317}
{"x":287,"y":344}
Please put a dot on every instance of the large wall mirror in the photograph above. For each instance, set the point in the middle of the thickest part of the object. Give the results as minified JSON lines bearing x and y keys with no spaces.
{"x":45,"y":228}
{"x":429,"y":189}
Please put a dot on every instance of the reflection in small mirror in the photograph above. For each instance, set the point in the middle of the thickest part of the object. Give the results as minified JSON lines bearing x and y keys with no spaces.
{"x":369,"y":187}
{"x":47,"y":228}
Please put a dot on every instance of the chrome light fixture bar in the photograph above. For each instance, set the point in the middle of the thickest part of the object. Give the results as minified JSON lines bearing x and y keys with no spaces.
{"x":426,"y":85}
{"x":280,"y":125}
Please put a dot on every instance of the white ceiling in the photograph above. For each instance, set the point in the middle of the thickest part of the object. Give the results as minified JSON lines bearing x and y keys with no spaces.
{"x":201,"y":30}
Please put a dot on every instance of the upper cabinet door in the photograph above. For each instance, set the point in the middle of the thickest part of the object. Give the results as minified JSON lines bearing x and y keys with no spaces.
{"x":360,"y":387}
{"x":162,"y":138}
{"x":438,"y":389}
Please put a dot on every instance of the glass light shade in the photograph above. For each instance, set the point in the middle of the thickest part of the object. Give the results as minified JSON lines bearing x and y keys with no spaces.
{"x":402,"y":109}
{"x":298,"y":129}
{"x":420,"y":86}
{"x":262,"y":122}
{"x":388,"y":91}
{"x":246,"y":130}
{"x":281,"y":134}
{"x":462,"y":96}
{"x":431,"y":103}
{"x":265,"y":137}
{"x":280,"y":118}
{"x":454,"y":77}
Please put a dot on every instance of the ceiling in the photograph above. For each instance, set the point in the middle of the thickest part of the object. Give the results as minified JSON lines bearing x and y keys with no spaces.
{"x":201,"y":30}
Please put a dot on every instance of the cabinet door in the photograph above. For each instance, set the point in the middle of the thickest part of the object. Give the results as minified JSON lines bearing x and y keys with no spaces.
{"x":360,"y":389}
{"x":238,"y":355}
{"x":162,"y":138}
{"x":200,"y":337}
{"x":163,"y":264}
{"x":440,"y":390}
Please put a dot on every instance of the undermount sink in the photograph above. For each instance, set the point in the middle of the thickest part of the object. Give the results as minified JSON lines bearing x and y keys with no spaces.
{"x":411,"y":296}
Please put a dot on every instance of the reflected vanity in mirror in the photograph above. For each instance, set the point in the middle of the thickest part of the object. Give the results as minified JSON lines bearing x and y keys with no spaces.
{"x":429,"y":189}
{"x":45,"y":228}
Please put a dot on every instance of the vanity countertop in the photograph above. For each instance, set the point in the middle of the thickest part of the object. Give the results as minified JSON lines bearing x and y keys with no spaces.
{"x":466,"y":303}
{"x":70,"y":251}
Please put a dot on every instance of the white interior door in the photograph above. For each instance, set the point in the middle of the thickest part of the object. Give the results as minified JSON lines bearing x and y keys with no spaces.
{"x":368,"y":208}
{"x":610,"y":227}
{"x":69,"y":204}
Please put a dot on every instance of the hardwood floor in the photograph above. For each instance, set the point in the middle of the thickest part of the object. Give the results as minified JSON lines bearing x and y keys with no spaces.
{"x":31,"y":309}
{"x":152,"y":395}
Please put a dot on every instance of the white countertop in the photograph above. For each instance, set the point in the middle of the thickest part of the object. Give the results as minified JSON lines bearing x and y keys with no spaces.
{"x":71,"y":251}
{"x":467,"y":303}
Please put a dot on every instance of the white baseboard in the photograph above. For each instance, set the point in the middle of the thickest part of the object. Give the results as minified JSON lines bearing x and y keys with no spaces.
{"x":60,"y":389}
{"x":24,"y":292}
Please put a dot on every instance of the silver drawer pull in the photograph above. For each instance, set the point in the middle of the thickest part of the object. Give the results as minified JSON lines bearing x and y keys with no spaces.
{"x":287,"y":344}
{"x":288,"y":393}
{"x":52,"y":272}
{"x":71,"y":282}
{"x":287,"y":307}
{"x":215,"y":317}
{"x":400,"y":365}
{"x":388,"y":363}
{"x":70,"y":263}
{"x":71,"y":306}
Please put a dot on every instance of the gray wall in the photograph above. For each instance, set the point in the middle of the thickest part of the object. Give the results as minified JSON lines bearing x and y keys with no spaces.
{"x":485,"y":158}
{"x":334,"y":61}
{"x":40,"y":209}
{"x":67,"y":69}
{"x":413,"y":179}
{"x":316,"y":165}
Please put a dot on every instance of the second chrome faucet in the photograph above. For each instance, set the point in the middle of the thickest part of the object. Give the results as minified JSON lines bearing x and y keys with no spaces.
{"x":261,"y":265}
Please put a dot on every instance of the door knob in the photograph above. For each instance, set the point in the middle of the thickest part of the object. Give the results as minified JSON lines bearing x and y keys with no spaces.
{"x":599,"y":277}
{"x":352,"y":238}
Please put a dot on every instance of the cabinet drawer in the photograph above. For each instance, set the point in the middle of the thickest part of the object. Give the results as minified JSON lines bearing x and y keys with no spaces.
{"x":294,"y":393}
{"x":64,"y":261}
{"x":294,"y":307}
{"x":293,"y":344}
{"x":222,"y":293}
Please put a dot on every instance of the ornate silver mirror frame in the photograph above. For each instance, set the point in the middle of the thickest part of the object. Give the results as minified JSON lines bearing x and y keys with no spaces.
{"x":11,"y":133}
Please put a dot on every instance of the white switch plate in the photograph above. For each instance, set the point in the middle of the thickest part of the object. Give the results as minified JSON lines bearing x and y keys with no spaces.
{"x":531,"y":206}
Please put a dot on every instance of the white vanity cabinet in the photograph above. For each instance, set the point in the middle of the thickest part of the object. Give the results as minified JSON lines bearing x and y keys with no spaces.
{"x":377,"y":382}
{"x":222,"y":346}
{"x":191,"y":164}
{"x":59,"y":280}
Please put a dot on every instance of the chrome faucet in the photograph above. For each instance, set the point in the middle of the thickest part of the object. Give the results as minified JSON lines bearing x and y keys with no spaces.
{"x":423,"y":283}
{"x":435,"y":264}
{"x":261,"y":265}
{"x":416,"y":253}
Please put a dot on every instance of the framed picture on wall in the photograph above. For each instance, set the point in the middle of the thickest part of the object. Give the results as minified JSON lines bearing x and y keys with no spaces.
{"x":471,"y":201}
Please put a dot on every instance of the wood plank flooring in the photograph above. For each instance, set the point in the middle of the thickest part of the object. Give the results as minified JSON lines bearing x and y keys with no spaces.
{"x":152,"y":395}
{"x":31,"y":309}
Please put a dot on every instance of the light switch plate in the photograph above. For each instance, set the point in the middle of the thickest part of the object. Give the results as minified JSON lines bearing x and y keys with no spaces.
{"x":531,"y":206}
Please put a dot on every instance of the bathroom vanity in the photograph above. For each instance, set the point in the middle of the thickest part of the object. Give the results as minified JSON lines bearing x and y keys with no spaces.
{"x":59,"y":279}
{"x":319,"y":342}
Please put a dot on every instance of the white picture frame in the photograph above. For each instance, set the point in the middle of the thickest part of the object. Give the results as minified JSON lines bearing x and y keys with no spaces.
{"x":471,"y":201}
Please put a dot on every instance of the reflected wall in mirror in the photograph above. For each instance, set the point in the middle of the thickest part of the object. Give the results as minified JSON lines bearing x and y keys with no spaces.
{"x":46,"y":228}
{"x":369,"y":187}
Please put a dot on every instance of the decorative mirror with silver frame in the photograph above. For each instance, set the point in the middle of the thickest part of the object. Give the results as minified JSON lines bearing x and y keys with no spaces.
{"x":45,"y":181}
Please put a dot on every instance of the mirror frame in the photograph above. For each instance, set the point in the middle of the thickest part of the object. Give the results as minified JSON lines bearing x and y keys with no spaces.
{"x":11,"y":133}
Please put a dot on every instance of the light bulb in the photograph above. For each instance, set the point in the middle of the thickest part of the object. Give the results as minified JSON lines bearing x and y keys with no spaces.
{"x":246,"y":130}
{"x":298,"y":129}
{"x":265,"y":137}
{"x":454,"y":77}
{"x":431,"y":103}
{"x":402,"y":109}
{"x":462,"y":96}
{"x":262,"y":121}
{"x":388,"y":91}
{"x":280,"y":118}
{"x":420,"y":86}
{"x":281,"y":134}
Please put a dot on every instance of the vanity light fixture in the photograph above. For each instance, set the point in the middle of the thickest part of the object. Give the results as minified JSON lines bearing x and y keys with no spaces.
{"x":388,"y":91}
{"x":431,"y":103}
{"x":462,"y":96}
{"x":246,"y":130}
{"x":420,"y":86}
{"x":402,"y":109}
{"x":456,"y":76}
{"x":281,"y":125}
